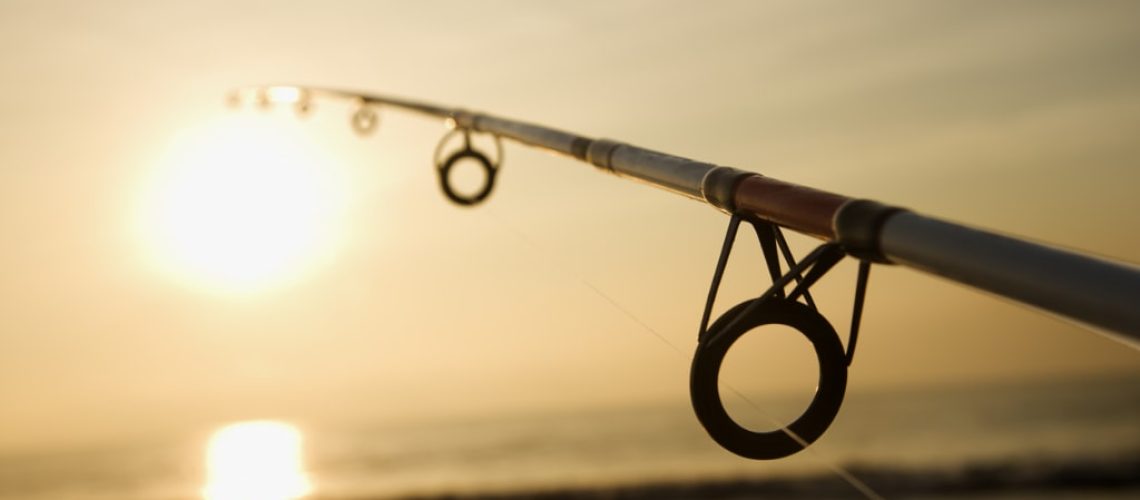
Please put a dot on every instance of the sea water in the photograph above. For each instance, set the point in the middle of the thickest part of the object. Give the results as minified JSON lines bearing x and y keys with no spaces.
{"x":1077,"y":437}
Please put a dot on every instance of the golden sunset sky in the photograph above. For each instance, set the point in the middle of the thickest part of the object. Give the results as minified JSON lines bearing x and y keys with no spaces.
{"x":167,"y":262}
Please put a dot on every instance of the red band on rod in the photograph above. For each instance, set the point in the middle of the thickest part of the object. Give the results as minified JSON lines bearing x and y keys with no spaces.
{"x":795,"y":207}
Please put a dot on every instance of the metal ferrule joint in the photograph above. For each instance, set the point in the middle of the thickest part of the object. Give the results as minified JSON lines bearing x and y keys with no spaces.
{"x":718,"y":187}
{"x":601,"y":152}
{"x":858,"y":224}
{"x":465,"y":119}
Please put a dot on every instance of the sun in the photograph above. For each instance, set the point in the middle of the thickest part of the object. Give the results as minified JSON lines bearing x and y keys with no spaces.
{"x":242,"y":204}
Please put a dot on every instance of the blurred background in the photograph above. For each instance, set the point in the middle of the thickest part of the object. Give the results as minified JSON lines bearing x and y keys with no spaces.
{"x":179,"y":278}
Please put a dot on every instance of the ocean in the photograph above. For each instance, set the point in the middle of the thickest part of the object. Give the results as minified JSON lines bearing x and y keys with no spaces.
{"x":1065,"y":439}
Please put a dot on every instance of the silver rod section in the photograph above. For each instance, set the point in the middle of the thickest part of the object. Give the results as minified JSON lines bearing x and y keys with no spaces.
{"x":1086,"y":289}
{"x":531,"y":135}
{"x":407,"y":104}
{"x":673,"y":173}
{"x":526,"y":133}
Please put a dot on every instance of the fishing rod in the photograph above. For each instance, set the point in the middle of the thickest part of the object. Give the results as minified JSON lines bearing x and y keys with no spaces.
{"x":1097,"y":293}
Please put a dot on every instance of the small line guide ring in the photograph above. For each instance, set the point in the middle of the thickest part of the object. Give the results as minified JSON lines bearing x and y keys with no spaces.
{"x":705,"y":374}
{"x":303,"y":106}
{"x":365,"y":119}
{"x":444,"y":168}
{"x":445,"y":177}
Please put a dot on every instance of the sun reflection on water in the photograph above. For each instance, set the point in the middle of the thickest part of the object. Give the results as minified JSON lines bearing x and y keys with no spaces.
{"x":258,"y":460}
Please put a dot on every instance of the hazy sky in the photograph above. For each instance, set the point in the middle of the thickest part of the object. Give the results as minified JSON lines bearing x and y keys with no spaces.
{"x":1016,"y":116}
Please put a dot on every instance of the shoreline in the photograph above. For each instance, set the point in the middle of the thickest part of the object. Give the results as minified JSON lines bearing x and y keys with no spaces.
{"x":1109,"y":477}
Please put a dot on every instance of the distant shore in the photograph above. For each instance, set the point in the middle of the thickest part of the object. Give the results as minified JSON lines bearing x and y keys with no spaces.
{"x":1115,"y":477}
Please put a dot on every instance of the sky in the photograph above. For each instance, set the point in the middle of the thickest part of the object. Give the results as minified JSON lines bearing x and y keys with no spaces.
{"x":169,"y":262}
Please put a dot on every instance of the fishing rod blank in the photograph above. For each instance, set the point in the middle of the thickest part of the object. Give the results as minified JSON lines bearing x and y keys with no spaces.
{"x":1091,"y":291}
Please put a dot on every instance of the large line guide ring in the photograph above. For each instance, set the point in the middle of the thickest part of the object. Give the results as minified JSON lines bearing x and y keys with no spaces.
{"x":705,"y":376}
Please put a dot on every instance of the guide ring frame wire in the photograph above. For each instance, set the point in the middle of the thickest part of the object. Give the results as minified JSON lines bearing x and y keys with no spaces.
{"x":445,"y":166}
{"x":774,"y":306}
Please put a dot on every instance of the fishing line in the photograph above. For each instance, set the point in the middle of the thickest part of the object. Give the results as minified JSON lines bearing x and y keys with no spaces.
{"x":552,"y":261}
{"x":846,"y":475}
{"x":1109,"y":335}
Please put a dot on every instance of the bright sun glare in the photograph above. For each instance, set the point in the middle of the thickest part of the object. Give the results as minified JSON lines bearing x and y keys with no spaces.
{"x":258,"y":460}
{"x":242,"y":204}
